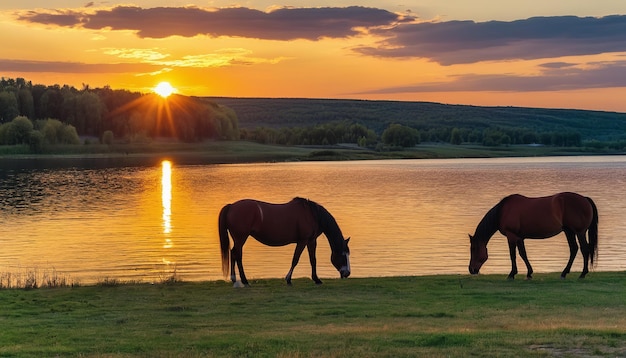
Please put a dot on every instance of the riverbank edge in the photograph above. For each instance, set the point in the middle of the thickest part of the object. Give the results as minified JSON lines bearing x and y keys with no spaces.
{"x":240,"y":152}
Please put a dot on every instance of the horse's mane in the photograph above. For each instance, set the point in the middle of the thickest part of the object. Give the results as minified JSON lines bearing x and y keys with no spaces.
{"x":489,"y":223}
{"x":326,"y":222}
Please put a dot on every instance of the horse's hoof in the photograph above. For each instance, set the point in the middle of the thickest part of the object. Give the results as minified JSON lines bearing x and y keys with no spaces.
{"x":510,"y":278}
{"x":528,"y":278}
{"x":239,"y":284}
{"x":318,"y":282}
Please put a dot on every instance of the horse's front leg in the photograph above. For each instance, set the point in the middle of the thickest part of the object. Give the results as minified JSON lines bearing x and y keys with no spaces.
{"x":312,"y":245}
{"x":296,"y":257}
{"x":522,"y":252}
{"x":573,"y":250}
{"x":512,"y":246}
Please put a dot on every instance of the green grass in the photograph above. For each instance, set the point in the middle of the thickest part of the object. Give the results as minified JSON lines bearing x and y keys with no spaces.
{"x":435,"y":316}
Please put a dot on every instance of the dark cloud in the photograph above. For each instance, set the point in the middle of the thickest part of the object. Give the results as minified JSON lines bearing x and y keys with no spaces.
{"x":27,"y":66}
{"x":557,"y":64}
{"x":280,"y":24}
{"x":459,"y":42}
{"x":66,"y":18}
{"x":448,"y":43}
{"x":600,"y":75}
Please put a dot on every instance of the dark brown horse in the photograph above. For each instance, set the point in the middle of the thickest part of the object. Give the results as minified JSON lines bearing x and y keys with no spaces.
{"x":518,"y":217}
{"x":299,"y":222}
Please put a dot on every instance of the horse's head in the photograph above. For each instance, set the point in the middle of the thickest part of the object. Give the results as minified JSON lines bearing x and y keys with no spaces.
{"x":478,"y":252}
{"x":341,"y":259}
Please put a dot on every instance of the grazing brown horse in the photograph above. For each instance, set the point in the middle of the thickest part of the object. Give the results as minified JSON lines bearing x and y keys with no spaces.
{"x":299,"y":222}
{"x":518,"y":217}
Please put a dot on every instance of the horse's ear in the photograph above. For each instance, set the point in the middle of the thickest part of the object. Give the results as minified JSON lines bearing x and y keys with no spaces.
{"x":470,"y":236}
{"x":347,"y":240}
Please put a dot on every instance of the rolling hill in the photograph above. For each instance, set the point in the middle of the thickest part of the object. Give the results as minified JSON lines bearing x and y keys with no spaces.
{"x":377,"y":115}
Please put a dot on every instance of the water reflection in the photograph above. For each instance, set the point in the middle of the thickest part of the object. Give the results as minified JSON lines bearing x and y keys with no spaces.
{"x":166,"y":198}
{"x":405,"y":217}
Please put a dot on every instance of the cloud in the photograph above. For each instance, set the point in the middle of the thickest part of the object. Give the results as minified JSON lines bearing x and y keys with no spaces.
{"x":221,"y":58}
{"x":462,"y":42}
{"x":152,"y":62}
{"x":277,"y":24}
{"x":400,"y":36}
{"x":145,"y":55}
{"x":27,"y":66}
{"x":63,"y":18}
{"x":552,"y":78}
{"x":557,"y":64}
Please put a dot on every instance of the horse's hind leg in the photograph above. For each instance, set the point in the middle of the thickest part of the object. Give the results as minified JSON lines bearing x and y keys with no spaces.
{"x":573,"y":250}
{"x":233,"y":277}
{"x":522,"y":252}
{"x":236,"y":258}
{"x":584,"y":248}
{"x":236,"y":255}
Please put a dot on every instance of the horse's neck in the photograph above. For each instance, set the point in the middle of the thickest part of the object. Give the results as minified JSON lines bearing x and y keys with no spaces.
{"x":489,"y":224}
{"x":328,"y":225}
{"x":333,"y":233}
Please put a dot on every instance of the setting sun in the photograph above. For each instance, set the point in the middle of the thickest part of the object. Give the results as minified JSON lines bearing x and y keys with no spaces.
{"x":164,"y":89}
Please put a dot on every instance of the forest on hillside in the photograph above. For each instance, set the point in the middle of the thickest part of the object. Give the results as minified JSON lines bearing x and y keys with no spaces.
{"x":433,"y":122}
{"x":40,"y":115}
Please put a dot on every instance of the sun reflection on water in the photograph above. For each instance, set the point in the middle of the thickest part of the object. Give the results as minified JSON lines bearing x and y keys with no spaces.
{"x":166,"y":200}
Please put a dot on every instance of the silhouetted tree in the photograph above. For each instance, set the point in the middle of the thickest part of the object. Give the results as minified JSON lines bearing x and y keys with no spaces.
{"x":8,"y":107}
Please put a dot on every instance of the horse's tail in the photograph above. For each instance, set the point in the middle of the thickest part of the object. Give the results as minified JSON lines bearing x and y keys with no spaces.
{"x":224,"y":239}
{"x":593,"y":233}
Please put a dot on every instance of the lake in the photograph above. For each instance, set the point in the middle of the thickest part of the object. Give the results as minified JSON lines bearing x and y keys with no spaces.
{"x":404,"y":217}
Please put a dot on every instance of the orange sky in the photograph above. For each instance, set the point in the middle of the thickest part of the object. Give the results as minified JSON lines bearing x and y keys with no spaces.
{"x":558,"y":53}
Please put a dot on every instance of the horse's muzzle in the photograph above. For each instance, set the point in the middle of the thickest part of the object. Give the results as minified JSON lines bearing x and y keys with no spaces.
{"x":473,"y":271}
{"x":344,"y":273}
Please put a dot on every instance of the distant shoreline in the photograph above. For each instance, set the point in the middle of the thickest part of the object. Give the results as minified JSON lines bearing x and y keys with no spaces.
{"x":237,"y":152}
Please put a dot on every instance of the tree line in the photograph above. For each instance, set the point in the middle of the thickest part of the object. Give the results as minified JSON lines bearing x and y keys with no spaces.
{"x":125,"y":115}
{"x":62,"y":114}
{"x":402,"y":136}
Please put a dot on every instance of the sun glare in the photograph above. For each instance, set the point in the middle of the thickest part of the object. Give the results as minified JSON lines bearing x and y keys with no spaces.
{"x":166,"y":195}
{"x":164,"y":89}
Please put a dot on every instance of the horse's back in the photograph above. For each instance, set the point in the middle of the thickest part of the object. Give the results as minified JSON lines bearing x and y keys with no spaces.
{"x":520,"y":205}
{"x":243,"y":215}
{"x":270,"y":223}
{"x":546,"y":216}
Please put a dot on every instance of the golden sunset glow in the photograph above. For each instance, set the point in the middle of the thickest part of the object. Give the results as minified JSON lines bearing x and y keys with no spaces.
{"x":534,"y":53}
{"x":166,"y":198}
{"x":164,"y":89}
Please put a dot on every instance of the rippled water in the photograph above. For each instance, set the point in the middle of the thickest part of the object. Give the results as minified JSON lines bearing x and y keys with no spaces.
{"x":405,"y":217}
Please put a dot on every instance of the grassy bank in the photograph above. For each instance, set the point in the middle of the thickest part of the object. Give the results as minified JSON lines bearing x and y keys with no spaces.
{"x":210,"y":152}
{"x":436,"y":316}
